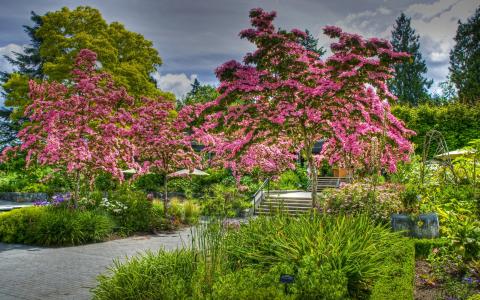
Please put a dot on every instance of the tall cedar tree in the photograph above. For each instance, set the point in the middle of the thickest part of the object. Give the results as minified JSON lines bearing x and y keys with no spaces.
{"x":311,"y":43}
{"x":465,"y":60}
{"x":28,"y":63}
{"x":409,"y":84}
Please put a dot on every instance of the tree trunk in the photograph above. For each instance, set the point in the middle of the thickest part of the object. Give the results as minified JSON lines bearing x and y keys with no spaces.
{"x":313,"y":175}
{"x":77,"y":190}
{"x":165,"y":196}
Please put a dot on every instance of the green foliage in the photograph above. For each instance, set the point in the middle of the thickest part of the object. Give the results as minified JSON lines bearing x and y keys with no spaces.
{"x":48,"y":226}
{"x":399,"y":274}
{"x":424,"y":247}
{"x":465,"y":60}
{"x":410,"y":197}
{"x":291,"y":180}
{"x":199,"y":94}
{"x":58,"y":36}
{"x":191,"y":212}
{"x":342,"y":246}
{"x":222,"y":200}
{"x":360,"y":198}
{"x":249,"y":283}
{"x":409,"y":83}
{"x":157,"y":221}
{"x":14,"y":177}
{"x":457,"y":122}
{"x":161,"y":275}
{"x":311,"y":43}
{"x":130,"y":209}
{"x":330,"y":258}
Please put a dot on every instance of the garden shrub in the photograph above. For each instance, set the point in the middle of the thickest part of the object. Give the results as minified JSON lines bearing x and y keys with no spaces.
{"x":359,"y":198}
{"x":51,"y":226}
{"x":175,"y":209}
{"x":424,"y":247}
{"x":161,"y":275}
{"x":291,"y":180}
{"x":344,"y":244}
{"x":249,"y":283}
{"x":397,"y":281}
{"x":224,"y":201}
{"x":131,"y":210}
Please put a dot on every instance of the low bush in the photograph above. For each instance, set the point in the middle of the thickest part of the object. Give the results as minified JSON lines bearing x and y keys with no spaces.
{"x":424,"y":247}
{"x":359,"y":198}
{"x":398,"y":272}
{"x":130,"y":209}
{"x":52,"y":226}
{"x":224,"y":201}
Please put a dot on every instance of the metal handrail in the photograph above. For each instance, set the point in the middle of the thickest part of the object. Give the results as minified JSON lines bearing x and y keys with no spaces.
{"x":260,"y":190}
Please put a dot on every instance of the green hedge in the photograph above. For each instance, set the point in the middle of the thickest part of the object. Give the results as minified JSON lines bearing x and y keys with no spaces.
{"x":399,"y":274}
{"x":423,"y":247}
{"x":458,"y":123}
{"x":49,"y":226}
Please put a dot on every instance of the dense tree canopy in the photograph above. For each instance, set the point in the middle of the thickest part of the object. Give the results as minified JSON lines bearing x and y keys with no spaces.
{"x":56,"y":39}
{"x":84,"y":128}
{"x":465,"y":60}
{"x":409,"y":83}
{"x":285,"y":98}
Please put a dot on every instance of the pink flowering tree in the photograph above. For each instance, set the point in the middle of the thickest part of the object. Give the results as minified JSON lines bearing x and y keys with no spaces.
{"x":283,"y":99}
{"x":162,"y":143}
{"x":81,"y":127}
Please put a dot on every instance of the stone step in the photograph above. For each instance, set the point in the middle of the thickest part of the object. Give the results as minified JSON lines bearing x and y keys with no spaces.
{"x":264,"y":211}
{"x":286,"y":199}
{"x":286,"y":203}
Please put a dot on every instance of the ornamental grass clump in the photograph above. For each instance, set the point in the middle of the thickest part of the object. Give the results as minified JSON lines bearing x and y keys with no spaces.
{"x":329,"y":257}
{"x":341,"y":254}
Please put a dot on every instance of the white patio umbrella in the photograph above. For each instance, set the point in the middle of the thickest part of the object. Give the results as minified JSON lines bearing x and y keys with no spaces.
{"x":129,"y":171}
{"x":455,"y":153}
{"x":185,"y":172}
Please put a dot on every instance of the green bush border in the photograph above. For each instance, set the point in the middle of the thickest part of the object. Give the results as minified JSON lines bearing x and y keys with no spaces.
{"x":423,"y":247}
{"x":398,"y":279}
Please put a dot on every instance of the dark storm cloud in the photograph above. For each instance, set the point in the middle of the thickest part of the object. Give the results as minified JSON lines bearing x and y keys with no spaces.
{"x":194,"y":37}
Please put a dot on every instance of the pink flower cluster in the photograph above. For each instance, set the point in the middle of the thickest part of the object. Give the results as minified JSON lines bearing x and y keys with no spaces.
{"x":284,"y":98}
{"x":90,"y":126}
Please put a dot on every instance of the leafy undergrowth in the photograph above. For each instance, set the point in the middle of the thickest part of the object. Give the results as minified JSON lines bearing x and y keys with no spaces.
{"x":328,"y":258}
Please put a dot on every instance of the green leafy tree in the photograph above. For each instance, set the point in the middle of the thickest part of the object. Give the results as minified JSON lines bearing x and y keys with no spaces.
{"x":199,"y":94}
{"x":465,"y":60}
{"x":57,"y":37}
{"x":409,"y":84}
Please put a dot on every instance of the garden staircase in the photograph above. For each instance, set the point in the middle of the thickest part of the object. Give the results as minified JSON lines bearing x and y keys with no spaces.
{"x":275,"y":202}
{"x":266,"y":201}
{"x":329,"y":182}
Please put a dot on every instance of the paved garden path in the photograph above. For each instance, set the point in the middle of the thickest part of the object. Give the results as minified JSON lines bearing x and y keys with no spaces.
{"x":28,"y":272}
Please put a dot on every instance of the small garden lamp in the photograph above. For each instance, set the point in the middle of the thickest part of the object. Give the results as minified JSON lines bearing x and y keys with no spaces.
{"x":286,"y":279}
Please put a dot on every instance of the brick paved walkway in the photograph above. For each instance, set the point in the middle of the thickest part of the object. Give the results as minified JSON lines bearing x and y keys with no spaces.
{"x":28,"y":272}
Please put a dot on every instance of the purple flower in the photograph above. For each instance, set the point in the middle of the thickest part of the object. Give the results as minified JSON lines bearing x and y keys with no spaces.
{"x":41,"y":203}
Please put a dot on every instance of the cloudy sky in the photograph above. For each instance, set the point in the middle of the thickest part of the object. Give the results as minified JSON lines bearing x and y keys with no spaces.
{"x":195,"y":36}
